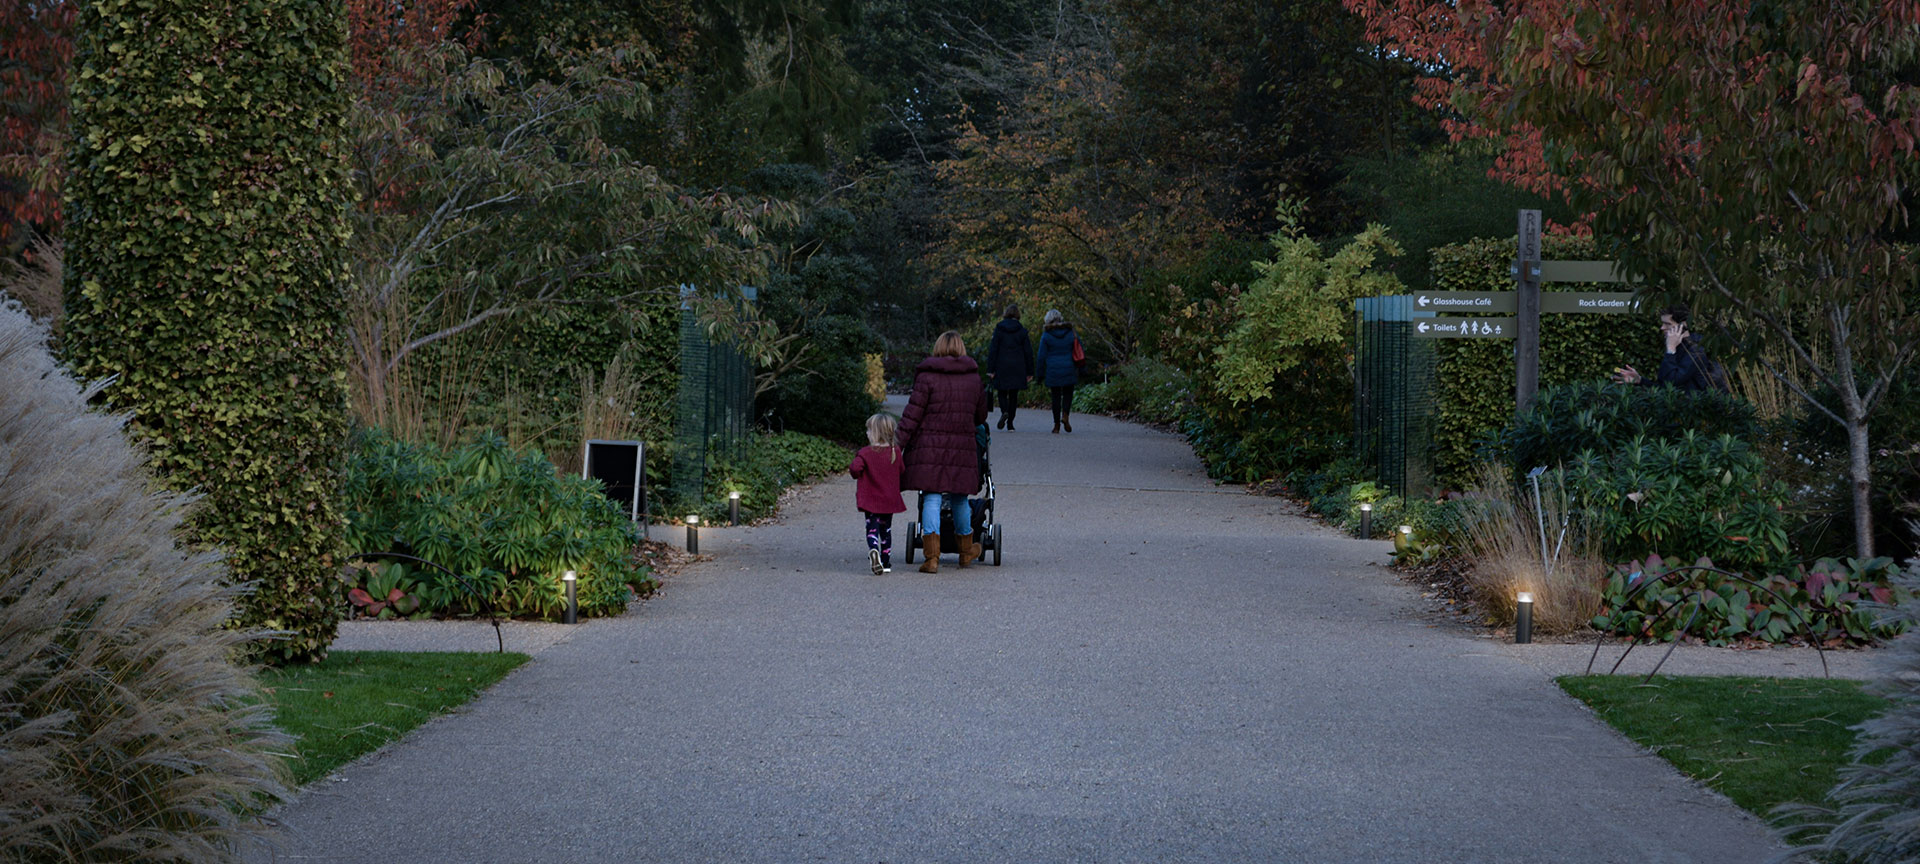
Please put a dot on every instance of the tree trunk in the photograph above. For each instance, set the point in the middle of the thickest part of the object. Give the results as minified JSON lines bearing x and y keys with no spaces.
{"x":1859,"y":466}
{"x":1860,"y":476}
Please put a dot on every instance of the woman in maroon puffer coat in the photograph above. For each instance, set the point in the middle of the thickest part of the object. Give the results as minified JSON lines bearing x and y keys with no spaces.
{"x":937,"y":435}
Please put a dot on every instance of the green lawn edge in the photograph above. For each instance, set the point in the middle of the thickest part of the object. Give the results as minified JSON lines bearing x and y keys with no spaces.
{"x":1761,"y":742}
{"x":355,"y":702}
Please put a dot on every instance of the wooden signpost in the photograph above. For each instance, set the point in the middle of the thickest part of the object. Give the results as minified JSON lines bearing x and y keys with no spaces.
{"x":1526,"y":302}
{"x":1526,"y":275}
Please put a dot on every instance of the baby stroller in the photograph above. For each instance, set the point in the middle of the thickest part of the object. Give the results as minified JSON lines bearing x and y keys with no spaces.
{"x":986,"y":532}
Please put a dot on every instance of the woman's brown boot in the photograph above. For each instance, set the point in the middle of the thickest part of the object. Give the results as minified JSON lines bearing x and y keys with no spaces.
{"x":930,"y":543}
{"x":968,"y":550}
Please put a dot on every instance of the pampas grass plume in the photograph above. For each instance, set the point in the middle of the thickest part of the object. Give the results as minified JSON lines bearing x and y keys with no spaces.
{"x":126,"y":730}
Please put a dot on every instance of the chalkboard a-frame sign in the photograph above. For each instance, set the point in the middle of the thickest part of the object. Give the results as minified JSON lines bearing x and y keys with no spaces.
{"x":620,"y":467}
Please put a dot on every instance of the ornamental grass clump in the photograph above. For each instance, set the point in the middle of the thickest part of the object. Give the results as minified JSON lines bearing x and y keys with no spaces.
{"x":126,"y":731}
{"x":1504,"y":529}
{"x":1873,"y":814}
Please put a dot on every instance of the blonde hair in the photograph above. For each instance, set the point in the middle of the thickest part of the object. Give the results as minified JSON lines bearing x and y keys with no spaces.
{"x":949,"y":345}
{"x":880,"y":432}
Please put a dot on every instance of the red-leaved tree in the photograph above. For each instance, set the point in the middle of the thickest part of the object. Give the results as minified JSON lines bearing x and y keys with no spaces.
{"x":1757,"y":158}
{"x":36,"y":45}
{"x":1448,"y":40}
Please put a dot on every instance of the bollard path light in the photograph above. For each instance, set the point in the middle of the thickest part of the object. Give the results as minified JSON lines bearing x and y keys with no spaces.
{"x":693,"y":534}
{"x":733,"y":507}
{"x":1366,"y":520}
{"x":1523,"y":618}
{"x":572,"y":615}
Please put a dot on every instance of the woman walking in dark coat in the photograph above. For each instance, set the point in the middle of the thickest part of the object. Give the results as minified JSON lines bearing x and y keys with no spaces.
{"x":1010,"y":362}
{"x":937,"y":435}
{"x":1055,"y":360}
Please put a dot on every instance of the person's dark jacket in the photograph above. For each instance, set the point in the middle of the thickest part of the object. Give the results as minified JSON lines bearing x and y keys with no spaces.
{"x":1010,"y":356}
{"x":1055,"y":357}
{"x":937,"y":429}
{"x":1685,"y":368}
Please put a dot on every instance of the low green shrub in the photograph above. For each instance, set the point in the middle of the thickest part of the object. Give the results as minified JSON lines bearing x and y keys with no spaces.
{"x":1264,"y":440}
{"x":1565,"y":421}
{"x":504,"y":520}
{"x":774,"y":462}
{"x":1692,"y":496}
{"x":1151,"y":389}
{"x":1096,"y":399}
{"x":1826,"y":603}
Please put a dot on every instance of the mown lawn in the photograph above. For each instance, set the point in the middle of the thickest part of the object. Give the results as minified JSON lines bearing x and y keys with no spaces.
{"x":357,"y":701}
{"x":1759,"y":741}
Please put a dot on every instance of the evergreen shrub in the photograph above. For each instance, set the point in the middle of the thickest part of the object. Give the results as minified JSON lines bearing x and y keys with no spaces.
{"x":1656,"y":470}
{"x":1601,"y":416}
{"x":126,"y":731}
{"x":775,"y":462}
{"x":501,"y":518}
{"x":831,"y":398}
{"x":204,"y":273}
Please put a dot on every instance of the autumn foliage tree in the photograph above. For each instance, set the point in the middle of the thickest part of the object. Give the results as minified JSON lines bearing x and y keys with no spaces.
{"x":36,"y":46}
{"x":1448,"y":41}
{"x":1758,"y":159}
{"x":1054,"y":204}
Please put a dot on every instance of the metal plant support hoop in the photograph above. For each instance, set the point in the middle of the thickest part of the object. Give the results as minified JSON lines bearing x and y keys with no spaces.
{"x":471,"y":591}
{"x":1698,"y":601}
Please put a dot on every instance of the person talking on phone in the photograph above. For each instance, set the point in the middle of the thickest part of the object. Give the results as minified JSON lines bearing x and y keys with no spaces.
{"x":1685,"y":365}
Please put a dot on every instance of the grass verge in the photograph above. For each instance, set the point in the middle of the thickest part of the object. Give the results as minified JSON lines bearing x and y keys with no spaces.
{"x":1759,"y":741}
{"x":357,"y":701}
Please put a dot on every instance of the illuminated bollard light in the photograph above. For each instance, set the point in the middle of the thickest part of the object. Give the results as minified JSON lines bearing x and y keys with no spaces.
{"x":1366,"y":521}
{"x":733,"y":507}
{"x":572,"y":616}
{"x":693,"y":534}
{"x":1523,"y":618}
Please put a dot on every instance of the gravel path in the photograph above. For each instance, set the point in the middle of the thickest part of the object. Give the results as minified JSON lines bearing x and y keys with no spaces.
{"x":1162,"y":670}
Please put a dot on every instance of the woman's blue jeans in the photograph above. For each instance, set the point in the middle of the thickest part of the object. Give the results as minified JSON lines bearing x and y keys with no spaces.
{"x":930,"y":513}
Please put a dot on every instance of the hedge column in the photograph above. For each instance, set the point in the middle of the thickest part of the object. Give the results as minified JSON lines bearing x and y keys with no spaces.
{"x":205,"y":239}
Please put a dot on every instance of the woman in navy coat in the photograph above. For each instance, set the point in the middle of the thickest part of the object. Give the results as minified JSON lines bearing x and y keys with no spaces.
{"x":1010,"y":362}
{"x":1055,"y":359}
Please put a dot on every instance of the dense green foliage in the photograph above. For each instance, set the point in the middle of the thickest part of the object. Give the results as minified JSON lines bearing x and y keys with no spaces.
{"x":1824,"y":603}
{"x":773,"y":463}
{"x":1565,"y":421}
{"x":1688,"y":496}
{"x":1438,"y":197}
{"x":502,"y":519}
{"x":357,"y":701}
{"x":1299,"y":307}
{"x":1474,"y":385}
{"x":1760,"y":741}
{"x":204,"y":273}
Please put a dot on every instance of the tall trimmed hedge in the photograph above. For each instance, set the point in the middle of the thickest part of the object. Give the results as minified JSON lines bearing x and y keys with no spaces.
{"x":205,"y":268}
{"x":1474,"y":390}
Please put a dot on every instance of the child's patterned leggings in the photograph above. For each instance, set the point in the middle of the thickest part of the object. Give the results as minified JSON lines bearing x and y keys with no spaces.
{"x":880,"y":535}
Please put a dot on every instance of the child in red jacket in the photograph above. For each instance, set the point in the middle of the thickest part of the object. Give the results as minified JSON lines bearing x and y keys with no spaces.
{"x":877,"y":467}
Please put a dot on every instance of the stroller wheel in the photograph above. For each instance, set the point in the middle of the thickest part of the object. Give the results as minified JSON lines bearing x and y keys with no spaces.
{"x":913,"y":539}
{"x":996,"y":545}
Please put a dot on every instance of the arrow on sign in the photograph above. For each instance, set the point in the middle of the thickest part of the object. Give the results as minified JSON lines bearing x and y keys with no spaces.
{"x":1423,"y":299}
{"x":1423,"y":326}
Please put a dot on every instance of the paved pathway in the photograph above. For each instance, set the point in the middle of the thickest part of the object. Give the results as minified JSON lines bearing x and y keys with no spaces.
{"x":1162,"y":670}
